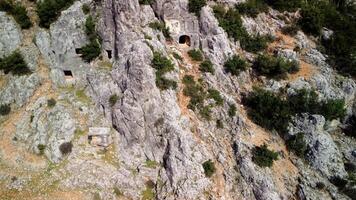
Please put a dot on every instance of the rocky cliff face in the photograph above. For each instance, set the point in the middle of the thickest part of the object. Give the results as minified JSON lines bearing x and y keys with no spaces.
{"x":158,"y":145}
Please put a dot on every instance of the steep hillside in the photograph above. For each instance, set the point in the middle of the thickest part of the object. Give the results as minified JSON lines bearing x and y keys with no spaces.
{"x":177,"y":99}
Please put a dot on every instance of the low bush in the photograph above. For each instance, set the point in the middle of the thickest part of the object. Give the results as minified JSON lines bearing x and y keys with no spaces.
{"x":194,"y":6}
{"x":263,"y":157}
{"x":161,"y":26}
{"x":5,"y":109}
{"x":66,"y":148}
{"x":49,"y":10}
{"x":255,"y":43}
{"x":281,"y":5}
{"x":15,"y":64}
{"x":209,"y":168}
{"x":232,"y":110}
{"x":333,"y":109}
{"x":113,"y":99}
{"x":196,"y":55}
{"x":215,"y":94}
{"x":273,"y":111}
{"x":350,"y":128}
{"x":231,"y":22}
{"x":41,"y":148}
{"x":252,"y":7}
{"x":163,"y":65}
{"x":274,"y":67}
{"x":268,"y":110}
{"x":86,"y":8}
{"x":219,"y":124}
{"x":291,"y":30}
{"x":297,"y":145}
{"x":235,"y":65}
{"x":92,"y":50}
{"x":207,"y":66}
{"x":18,"y":12}
{"x":51,"y":103}
{"x":146,"y":2}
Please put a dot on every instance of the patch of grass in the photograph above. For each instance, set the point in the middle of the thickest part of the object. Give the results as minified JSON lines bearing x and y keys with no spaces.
{"x":18,"y":12}
{"x":113,"y":99}
{"x":51,"y":102}
{"x":263,"y":157}
{"x":207,"y":67}
{"x":148,"y":193}
{"x":177,"y":56}
{"x":163,"y":65}
{"x":194,"y":6}
{"x":209,"y":168}
{"x":15,"y":64}
{"x":82,"y":97}
{"x":196,"y":55}
{"x":235,"y":65}
{"x":49,"y":10}
{"x":118,"y":192}
{"x":151,"y":164}
{"x":5,"y":109}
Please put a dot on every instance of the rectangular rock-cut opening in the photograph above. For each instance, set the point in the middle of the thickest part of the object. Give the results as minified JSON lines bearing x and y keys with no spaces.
{"x":78,"y":50}
{"x":68,"y":73}
{"x":109,"y":53}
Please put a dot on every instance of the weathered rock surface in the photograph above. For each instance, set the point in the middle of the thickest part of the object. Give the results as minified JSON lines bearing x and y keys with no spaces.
{"x":10,"y":35}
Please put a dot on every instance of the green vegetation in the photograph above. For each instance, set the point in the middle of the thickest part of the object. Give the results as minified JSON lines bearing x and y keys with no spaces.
{"x":231,"y":22}
{"x":291,"y":30}
{"x":263,"y":157}
{"x":198,"y":94}
{"x":177,"y":56}
{"x":161,"y":26}
{"x":163,"y":65}
{"x":235,"y":65}
{"x":5,"y":109}
{"x":215,"y":94}
{"x":146,"y":2}
{"x":252,"y":7}
{"x":194,"y":6}
{"x":86,"y":9}
{"x":281,"y":5}
{"x":207,"y":67}
{"x":151,"y":164}
{"x":118,"y":192}
{"x":297,"y":145}
{"x":232,"y":110}
{"x":219,"y":124}
{"x":113,"y":99}
{"x":49,"y":10}
{"x":17,"y":11}
{"x":66,"y":148}
{"x":275,"y":67}
{"x":273,"y":111}
{"x":92,"y":50}
{"x":148,"y":193}
{"x":209,"y":168}
{"x":15,"y":64}
{"x":196,"y":55}
{"x":41,"y":148}
{"x":350,"y":128}
{"x":268,"y":110}
{"x":51,"y":102}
